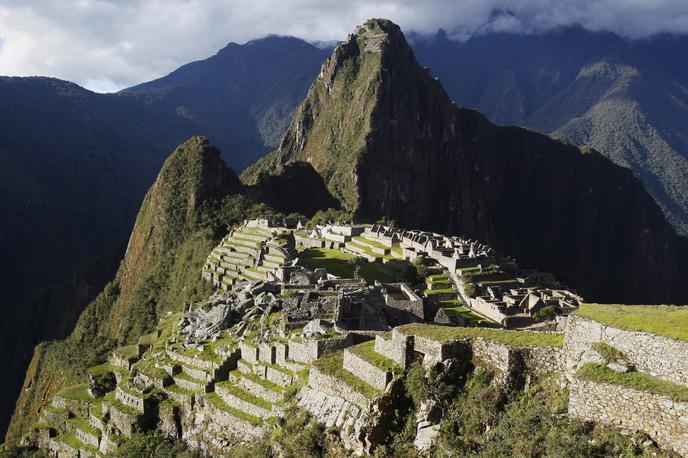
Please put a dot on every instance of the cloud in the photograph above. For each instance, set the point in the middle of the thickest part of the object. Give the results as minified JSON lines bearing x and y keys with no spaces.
{"x":106,"y":45}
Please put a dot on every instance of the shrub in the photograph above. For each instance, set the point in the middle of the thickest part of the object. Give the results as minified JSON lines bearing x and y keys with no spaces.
{"x":416,"y":384}
{"x":546,"y":313}
{"x":421,"y":268}
{"x":153,"y":445}
{"x":330,"y":215}
{"x":607,"y":352}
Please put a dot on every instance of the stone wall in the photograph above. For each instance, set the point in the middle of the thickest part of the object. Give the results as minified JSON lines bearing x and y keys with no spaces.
{"x":131,"y":400}
{"x":490,"y":353}
{"x":203,"y":363}
{"x":107,"y":446}
{"x":659,"y":356}
{"x":401,"y":297}
{"x":240,"y":404}
{"x":369,"y":373}
{"x":54,"y":417}
{"x":87,"y":437}
{"x":303,"y":351}
{"x":658,"y":416}
{"x":335,"y":411}
{"x":249,"y":352}
{"x":125,"y":423}
{"x":169,"y":423}
{"x":306,"y":350}
{"x":434,"y":351}
{"x":76,"y":407}
{"x":336,"y":387}
{"x":267,"y":353}
{"x":539,"y":361}
{"x":487,"y":309}
{"x":213,"y":431}
{"x":396,"y":348}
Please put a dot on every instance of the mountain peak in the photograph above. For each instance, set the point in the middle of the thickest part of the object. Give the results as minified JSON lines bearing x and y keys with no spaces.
{"x":192,"y":175}
{"x":388,"y":142}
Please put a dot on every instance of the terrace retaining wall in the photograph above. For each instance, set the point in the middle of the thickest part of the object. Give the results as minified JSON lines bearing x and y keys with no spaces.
{"x":659,"y":417}
{"x":369,"y":373}
{"x":657,"y":355}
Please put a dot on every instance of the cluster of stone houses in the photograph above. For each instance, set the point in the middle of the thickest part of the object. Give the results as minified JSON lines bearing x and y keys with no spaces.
{"x":511,"y":297}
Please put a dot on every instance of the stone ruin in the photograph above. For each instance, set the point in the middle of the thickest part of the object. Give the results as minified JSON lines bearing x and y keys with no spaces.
{"x":224,"y":370}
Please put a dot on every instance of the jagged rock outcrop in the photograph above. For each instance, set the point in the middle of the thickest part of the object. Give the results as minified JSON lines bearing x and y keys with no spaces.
{"x":387,"y":140}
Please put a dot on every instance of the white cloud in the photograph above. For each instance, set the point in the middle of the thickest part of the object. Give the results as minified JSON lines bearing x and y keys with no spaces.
{"x":109,"y":44}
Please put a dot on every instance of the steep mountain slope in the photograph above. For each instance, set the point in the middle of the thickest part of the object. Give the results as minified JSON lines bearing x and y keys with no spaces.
{"x":50,"y":315}
{"x":627,"y":99}
{"x":72,"y":164}
{"x":388,"y":142}
{"x":181,"y":219}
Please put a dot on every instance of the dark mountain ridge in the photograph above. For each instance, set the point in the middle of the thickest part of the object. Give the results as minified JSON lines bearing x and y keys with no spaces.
{"x":238,"y":96}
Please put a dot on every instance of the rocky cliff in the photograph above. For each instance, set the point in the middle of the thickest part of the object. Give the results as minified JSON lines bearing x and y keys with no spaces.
{"x":387,"y":140}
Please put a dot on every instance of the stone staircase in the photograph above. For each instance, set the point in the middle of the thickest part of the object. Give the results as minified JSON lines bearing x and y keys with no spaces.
{"x":247,"y":254}
{"x":254,"y":391}
{"x":373,"y":250}
{"x":344,"y":386}
{"x":76,"y":423}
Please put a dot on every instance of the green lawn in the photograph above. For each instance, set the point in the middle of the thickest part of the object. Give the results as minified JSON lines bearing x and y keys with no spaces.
{"x":475,"y":320}
{"x":40,"y":426}
{"x":77,"y":393}
{"x":183,"y":391}
{"x":366,"y":351}
{"x":336,"y":263}
{"x":370,"y":242}
{"x":636,"y":380}
{"x":258,"y":380}
{"x":128,"y":352}
{"x":220,"y":404}
{"x":664,"y":320}
{"x":511,"y":338}
{"x":332,"y":365}
{"x":85,"y":426}
{"x":99,"y":370}
{"x":244,"y":395}
{"x":430,"y":292}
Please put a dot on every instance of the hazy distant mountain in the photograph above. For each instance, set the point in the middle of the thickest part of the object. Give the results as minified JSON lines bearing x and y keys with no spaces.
{"x":627,"y":99}
{"x":242,"y":97}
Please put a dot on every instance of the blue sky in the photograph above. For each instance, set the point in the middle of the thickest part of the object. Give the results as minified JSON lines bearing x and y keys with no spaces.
{"x":106,"y":45}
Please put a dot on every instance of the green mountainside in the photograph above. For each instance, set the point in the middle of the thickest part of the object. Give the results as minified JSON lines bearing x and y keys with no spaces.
{"x":388,"y":142}
{"x":183,"y":216}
